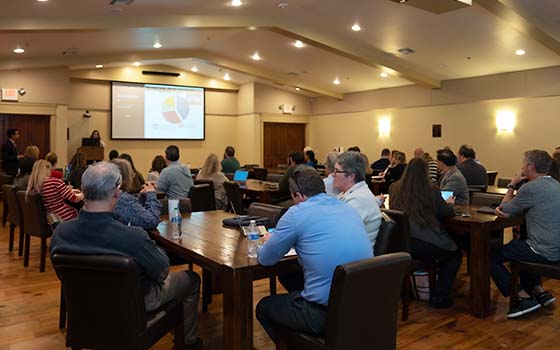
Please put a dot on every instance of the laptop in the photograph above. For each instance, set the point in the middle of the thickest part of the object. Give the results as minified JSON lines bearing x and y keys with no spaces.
{"x":89,"y":142}
{"x":241,"y":176}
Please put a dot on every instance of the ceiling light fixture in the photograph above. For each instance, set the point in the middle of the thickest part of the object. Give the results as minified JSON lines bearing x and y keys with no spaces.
{"x":136,"y":64}
{"x":19,"y":50}
{"x":336,"y":81}
{"x":98,"y":66}
{"x":194,"y":69}
{"x":356,"y":27}
{"x":298,"y":89}
{"x":157,"y":45}
{"x":236,"y":3}
{"x":383,"y":75}
{"x":520,"y":52}
{"x":282,"y":4}
{"x":227,"y":77}
{"x":256,"y":57}
{"x":42,"y":0}
{"x":298,"y":44}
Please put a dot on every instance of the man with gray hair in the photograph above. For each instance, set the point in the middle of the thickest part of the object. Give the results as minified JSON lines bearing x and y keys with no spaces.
{"x":329,"y":180}
{"x":349,"y":179}
{"x":97,"y":231}
{"x":539,"y":199}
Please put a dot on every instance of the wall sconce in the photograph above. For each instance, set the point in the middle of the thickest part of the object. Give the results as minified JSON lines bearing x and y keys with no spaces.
{"x":384,"y":126}
{"x":505,"y":121}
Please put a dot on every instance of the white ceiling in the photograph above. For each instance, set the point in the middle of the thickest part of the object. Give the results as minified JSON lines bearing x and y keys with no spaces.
{"x":467,"y":42}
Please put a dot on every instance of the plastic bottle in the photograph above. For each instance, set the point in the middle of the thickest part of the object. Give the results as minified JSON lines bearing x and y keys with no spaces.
{"x":176,"y":224}
{"x":253,"y":239}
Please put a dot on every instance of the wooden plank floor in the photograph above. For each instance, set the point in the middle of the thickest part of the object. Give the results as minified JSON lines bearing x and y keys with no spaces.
{"x":29,"y":303}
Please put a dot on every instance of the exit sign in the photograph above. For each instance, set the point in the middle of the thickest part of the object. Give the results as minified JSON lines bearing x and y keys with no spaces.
{"x":9,"y":95}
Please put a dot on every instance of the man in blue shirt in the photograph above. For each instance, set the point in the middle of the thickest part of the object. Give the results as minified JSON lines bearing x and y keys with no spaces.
{"x":325,"y":233}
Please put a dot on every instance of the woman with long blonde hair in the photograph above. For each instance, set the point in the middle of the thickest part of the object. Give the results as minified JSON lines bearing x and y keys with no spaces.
{"x":53,"y":191}
{"x":212,"y":170}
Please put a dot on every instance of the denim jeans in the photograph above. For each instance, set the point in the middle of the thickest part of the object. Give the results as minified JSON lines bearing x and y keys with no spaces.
{"x":293,"y":312}
{"x":183,"y":286}
{"x":516,"y":250}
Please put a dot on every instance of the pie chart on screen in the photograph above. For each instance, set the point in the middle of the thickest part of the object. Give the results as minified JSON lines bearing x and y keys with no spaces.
{"x":175,"y":109}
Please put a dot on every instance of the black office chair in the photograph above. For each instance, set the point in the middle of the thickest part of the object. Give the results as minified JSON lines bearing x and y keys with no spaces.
{"x":105,"y":304}
{"x":202,"y":196}
{"x":235,"y":198}
{"x":491,"y":177}
{"x":15,"y":216}
{"x":362,"y":313}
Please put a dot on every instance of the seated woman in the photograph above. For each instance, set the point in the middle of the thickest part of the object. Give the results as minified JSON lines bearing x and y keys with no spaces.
{"x":53,"y":191}
{"x":158,"y":164}
{"x":77,"y":167}
{"x":310,"y":159}
{"x":143,"y":211}
{"x":52,"y":158}
{"x":212,"y":171}
{"x":30,"y":155}
{"x":138,"y":179}
{"x":420,"y":199}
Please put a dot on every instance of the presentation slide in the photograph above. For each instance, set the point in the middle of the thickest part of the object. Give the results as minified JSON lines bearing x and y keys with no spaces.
{"x":147,"y":111}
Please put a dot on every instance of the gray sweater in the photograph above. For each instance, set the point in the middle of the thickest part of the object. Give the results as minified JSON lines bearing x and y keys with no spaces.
{"x":540,"y":200}
{"x":454,"y":181}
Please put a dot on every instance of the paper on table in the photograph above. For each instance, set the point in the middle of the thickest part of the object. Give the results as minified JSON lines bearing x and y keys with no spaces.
{"x":291,"y":252}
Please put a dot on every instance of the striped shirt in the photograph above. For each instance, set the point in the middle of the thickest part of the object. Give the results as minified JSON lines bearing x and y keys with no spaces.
{"x":54,"y":193}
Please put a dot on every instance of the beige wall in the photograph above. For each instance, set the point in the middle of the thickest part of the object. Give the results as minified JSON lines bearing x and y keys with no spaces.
{"x":473,"y":123}
{"x":268,"y":98}
{"x":45,"y":86}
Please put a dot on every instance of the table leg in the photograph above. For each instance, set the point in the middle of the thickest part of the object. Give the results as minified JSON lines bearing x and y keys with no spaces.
{"x":266,"y":197}
{"x":238,"y":310}
{"x":479,"y":270}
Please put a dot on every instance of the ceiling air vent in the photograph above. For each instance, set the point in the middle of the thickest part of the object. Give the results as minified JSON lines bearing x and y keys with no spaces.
{"x":406,"y":51}
{"x":121,"y":2}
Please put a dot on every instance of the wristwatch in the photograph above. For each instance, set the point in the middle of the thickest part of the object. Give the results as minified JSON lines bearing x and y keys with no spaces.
{"x":511,"y":186}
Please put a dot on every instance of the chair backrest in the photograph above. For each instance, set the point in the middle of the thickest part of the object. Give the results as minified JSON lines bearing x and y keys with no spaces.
{"x":104,"y":300}
{"x":203,"y":197}
{"x":491,"y":177}
{"x":274,"y":177}
{"x":230,"y":176}
{"x":383,"y":240}
{"x":235,"y":199}
{"x":477,"y":188}
{"x":400,"y":238}
{"x":363,"y":303}
{"x":184,"y":205}
{"x":487,"y":199}
{"x":34,"y":215}
{"x":273,"y":212}
{"x":260,"y":173}
{"x":503,"y":182}
{"x":14,"y":214}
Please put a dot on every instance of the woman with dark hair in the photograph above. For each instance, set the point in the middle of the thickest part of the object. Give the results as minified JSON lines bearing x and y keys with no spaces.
{"x":138,"y":179}
{"x":158,"y":164}
{"x":420,"y":199}
{"x":77,"y":168}
{"x":95,"y":135}
{"x":310,"y":159}
{"x":143,"y":211}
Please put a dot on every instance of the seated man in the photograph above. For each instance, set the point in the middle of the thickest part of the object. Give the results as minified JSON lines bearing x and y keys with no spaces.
{"x":349,"y":175}
{"x":382,"y":163}
{"x":325,"y":233}
{"x":97,"y":231}
{"x":539,"y":199}
{"x":295,"y":159}
{"x":474,"y":172}
{"x":452,"y":179}
{"x":176,"y":179}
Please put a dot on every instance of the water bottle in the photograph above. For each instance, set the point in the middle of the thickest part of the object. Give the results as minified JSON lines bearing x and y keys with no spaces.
{"x":176,"y":224}
{"x":253,"y":238}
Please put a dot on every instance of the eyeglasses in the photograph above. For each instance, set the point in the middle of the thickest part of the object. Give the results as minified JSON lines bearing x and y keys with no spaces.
{"x":336,"y":171}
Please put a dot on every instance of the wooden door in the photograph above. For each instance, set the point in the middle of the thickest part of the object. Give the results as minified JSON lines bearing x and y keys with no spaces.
{"x":279,"y":140}
{"x":34,"y":131}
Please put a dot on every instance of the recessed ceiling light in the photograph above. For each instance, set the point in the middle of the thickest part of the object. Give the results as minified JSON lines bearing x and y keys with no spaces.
{"x":383,"y":75}
{"x":136,"y":64}
{"x":336,"y":81}
{"x":19,"y":50}
{"x":298,"y":44}
{"x":227,"y":77}
{"x":356,"y":27}
{"x":282,"y":4}
{"x":194,"y":69}
{"x":157,"y":45}
{"x":298,"y":89}
{"x":256,"y":57}
{"x":42,"y":0}
{"x":98,"y":66}
{"x":252,"y":28}
{"x":236,"y":3}
{"x":520,"y":52}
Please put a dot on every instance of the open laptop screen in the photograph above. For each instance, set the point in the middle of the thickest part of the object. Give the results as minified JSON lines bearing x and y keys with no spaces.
{"x":241,"y":175}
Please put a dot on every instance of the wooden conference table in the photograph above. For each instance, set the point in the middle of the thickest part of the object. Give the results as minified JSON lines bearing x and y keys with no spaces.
{"x":260,"y":190}
{"x":223,"y":251}
{"x":479,"y":226}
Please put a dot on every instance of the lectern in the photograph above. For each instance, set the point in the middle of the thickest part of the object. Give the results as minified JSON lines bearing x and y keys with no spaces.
{"x":92,"y":153}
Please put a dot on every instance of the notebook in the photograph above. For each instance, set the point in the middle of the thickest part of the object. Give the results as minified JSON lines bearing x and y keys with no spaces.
{"x":241,"y":175}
